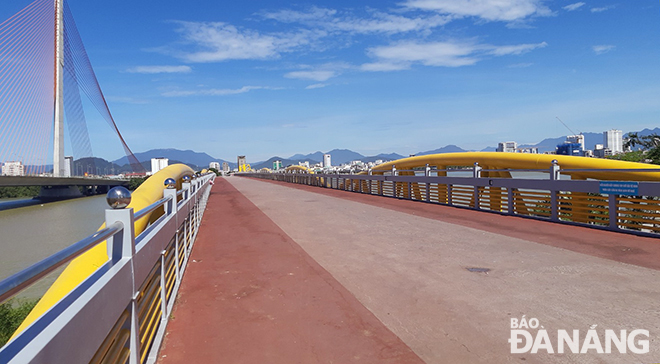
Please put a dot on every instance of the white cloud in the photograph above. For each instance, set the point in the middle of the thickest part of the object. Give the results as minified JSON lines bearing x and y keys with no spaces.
{"x":430,"y":54}
{"x":377,"y":22}
{"x":600,"y":49}
{"x":160,"y":69}
{"x":444,"y":54}
{"x":215,"y":41}
{"x":601,"y":9}
{"x":493,"y":10}
{"x":385,"y":66}
{"x":572,"y":7}
{"x":316,"y":85}
{"x":514,"y":49}
{"x":293,"y":16}
{"x":216,"y":92}
{"x":315,"y":75}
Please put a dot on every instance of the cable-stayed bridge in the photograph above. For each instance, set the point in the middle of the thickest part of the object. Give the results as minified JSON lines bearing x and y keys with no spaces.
{"x":44,"y":73}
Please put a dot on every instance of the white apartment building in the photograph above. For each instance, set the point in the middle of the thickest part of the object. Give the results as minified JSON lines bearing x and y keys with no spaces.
{"x":613,"y":140}
{"x":215,"y":165}
{"x":68,"y":166}
{"x":327,"y":158}
{"x":158,"y":163}
{"x":13,"y":168}
{"x":507,"y":147}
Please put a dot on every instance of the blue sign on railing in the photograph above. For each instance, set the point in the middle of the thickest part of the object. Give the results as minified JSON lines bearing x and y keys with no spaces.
{"x":620,"y":188}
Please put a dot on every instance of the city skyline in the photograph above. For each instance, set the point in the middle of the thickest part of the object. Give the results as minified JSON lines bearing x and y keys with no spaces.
{"x":270,"y":78}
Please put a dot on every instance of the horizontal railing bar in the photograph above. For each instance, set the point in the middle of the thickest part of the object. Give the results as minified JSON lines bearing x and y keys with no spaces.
{"x":18,"y":281}
{"x":611,"y":170}
{"x":140,"y":214}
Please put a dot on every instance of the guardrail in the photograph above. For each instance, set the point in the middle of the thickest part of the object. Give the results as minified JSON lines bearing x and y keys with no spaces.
{"x":624,"y":206}
{"x":119,"y":313}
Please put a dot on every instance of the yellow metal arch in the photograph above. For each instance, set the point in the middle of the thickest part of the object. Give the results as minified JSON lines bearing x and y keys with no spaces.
{"x":87,"y":263}
{"x":513,"y":161}
{"x":298,"y":169}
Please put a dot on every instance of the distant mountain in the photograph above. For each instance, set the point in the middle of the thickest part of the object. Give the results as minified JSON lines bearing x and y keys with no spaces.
{"x":383,"y":156}
{"x":316,"y":157}
{"x":285,"y":163}
{"x":185,"y":156}
{"x":341,"y":156}
{"x":338,"y":156}
{"x":446,"y":149}
{"x":489,"y":149}
{"x":646,"y":132}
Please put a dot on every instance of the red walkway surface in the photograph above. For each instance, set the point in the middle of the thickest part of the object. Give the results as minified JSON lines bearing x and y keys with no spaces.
{"x":251,"y":295}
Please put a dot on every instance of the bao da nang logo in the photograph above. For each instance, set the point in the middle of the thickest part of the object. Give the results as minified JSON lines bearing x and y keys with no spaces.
{"x":529,"y":336}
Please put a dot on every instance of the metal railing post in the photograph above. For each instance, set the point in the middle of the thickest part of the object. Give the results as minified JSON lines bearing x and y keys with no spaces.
{"x":122,"y":246}
{"x":176,"y":255}
{"x":427,"y":173}
{"x":554,"y":201}
{"x":185,"y":186}
{"x":613,"y":212}
{"x":171,"y":205}
{"x":163,"y":287}
{"x":394,"y":183}
{"x":510,"y":206}
{"x":476,"y":173}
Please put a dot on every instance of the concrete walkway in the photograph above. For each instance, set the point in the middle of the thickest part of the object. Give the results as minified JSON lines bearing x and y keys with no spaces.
{"x":392,"y":276}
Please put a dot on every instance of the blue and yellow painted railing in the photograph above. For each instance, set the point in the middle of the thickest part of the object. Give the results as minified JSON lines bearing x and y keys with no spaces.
{"x":83,"y":266}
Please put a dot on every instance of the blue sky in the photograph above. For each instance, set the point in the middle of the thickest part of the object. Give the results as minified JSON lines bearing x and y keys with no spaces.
{"x":265,"y":78}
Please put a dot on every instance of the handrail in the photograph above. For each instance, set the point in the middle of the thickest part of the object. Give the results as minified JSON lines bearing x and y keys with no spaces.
{"x":610,"y":170}
{"x":145,"y":211}
{"x":18,"y":281}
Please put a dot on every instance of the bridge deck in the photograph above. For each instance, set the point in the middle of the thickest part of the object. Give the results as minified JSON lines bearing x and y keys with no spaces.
{"x":297,"y":274}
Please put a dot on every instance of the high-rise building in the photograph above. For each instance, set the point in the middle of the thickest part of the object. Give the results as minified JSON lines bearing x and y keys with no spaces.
{"x":613,"y":140}
{"x":13,"y":168}
{"x":215,"y":165}
{"x":327,"y":161}
{"x":576,"y":139}
{"x":507,"y":147}
{"x":241,"y":163}
{"x":158,"y":163}
{"x":68,"y":166}
{"x":225,"y":167}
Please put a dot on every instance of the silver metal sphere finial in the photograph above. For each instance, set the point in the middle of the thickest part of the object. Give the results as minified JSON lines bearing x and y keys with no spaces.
{"x":170,"y":183}
{"x":186,"y":178}
{"x":118,"y":197}
{"x":554,"y":161}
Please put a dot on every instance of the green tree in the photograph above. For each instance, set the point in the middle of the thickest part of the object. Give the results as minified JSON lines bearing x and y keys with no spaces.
{"x":135,"y":182}
{"x":649,"y":145}
{"x":12,"y":314}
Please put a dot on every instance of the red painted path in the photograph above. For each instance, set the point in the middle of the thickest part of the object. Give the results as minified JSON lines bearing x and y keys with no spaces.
{"x":285,"y":273}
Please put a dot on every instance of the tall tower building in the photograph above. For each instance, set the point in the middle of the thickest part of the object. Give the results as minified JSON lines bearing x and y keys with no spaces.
{"x":613,"y":140}
{"x":327,"y":159}
{"x":241,"y":163}
{"x":158,"y":163}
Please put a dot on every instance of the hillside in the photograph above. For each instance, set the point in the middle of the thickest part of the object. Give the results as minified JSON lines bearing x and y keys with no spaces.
{"x":185,"y":156}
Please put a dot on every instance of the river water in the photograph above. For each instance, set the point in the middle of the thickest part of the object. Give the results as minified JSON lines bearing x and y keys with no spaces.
{"x":29,"y":234}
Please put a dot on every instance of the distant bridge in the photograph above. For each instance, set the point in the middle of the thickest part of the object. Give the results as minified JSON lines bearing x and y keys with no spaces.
{"x":6,"y":181}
